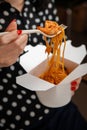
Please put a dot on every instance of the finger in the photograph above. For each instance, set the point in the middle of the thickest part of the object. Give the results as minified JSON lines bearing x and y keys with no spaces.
{"x":12,"y":25}
{"x":22,"y":39}
{"x":73,"y":85}
{"x":79,"y":80}
{"x":20,"y":43}
{"x":8,"y":38}
{"x":12,"y":51}
{"x":5,"y":39}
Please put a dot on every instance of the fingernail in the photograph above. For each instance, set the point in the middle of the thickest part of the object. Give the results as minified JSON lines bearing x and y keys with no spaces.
{"x":73,"y":85}
{"x":73,"y":88}
{"x":19,"y":32}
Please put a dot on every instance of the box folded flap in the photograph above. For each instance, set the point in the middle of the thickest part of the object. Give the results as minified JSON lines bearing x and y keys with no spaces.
{"x":36,"y":84}
{"x":76,"y":73}
{"x":33,"y":83}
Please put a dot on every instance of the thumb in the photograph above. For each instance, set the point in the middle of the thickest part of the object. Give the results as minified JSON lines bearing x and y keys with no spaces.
{"x":12,"y":26}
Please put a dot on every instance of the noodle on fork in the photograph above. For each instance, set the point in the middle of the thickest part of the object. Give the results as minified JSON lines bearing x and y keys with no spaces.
{"x":56,"y":68}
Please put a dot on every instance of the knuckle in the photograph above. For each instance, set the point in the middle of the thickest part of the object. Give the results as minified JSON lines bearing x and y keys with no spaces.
{"x":18,"y":46}
{"x":21,"y":48}
{"x":7,"y":63}
{"x":2,"y":40}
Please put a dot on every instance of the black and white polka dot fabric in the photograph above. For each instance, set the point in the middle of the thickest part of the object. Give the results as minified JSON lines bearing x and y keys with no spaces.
{"x":20,"y":108}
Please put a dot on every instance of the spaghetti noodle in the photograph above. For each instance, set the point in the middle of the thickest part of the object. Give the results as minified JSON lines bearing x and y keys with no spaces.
{"x":56,"y":71}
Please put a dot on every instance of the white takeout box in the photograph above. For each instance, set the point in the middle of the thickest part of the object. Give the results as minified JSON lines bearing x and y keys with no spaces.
{"x":49,"y":94}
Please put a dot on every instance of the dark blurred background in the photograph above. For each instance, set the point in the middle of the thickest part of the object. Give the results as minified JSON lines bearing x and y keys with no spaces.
{"x":73,"y":13}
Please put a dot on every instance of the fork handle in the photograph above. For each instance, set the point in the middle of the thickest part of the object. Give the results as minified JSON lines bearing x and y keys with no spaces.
{"x":30,"y":31}
{"x":24,"y":32}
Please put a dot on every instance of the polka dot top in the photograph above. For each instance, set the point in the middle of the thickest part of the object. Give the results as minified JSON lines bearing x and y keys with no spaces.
{"x":20,"y":108}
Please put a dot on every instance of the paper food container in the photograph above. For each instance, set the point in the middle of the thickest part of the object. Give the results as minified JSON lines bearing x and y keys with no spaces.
{"x":49,"y":94}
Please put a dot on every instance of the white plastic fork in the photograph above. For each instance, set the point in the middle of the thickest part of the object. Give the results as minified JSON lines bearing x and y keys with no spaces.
{"x":38,"y":31}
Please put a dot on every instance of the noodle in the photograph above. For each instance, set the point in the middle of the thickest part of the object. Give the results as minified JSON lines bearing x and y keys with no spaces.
{"x":56,"y":71}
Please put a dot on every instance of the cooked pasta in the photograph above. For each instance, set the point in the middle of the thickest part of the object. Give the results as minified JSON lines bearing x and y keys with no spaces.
{"x":56,"y":71}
